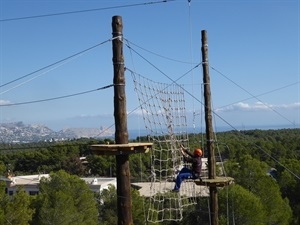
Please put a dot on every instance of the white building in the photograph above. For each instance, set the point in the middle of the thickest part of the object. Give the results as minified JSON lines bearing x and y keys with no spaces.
{"x":96,"y":184}
{"x":31,"y":183}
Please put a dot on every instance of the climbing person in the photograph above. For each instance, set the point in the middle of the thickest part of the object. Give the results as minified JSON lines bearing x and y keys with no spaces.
{"x":187,"y":173}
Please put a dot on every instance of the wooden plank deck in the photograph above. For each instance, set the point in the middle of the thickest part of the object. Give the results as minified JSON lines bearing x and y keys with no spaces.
{"x":217,"y":182}
{"x":121,"y":149}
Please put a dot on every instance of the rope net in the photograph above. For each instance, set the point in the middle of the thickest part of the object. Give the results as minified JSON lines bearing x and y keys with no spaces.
{"x":164,"y":114}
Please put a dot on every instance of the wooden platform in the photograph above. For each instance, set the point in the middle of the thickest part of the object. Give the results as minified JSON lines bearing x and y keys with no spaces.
{"x":217,"y":182}
{"x":121,"y":149}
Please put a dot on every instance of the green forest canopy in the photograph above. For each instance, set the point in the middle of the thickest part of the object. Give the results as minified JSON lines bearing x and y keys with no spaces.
{"x":248,"y":156}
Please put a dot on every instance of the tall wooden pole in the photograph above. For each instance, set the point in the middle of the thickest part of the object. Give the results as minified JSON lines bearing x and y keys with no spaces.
{"x":209,"y":131}
{"x":121,"y":132}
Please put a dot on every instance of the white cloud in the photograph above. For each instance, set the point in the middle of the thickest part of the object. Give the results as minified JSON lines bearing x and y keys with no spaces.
{"x":90,"y":116}
{"x":258,"y":106}
{"x":295,"y":105}
{"x":4,"y":102}
{"x":141,"y":112}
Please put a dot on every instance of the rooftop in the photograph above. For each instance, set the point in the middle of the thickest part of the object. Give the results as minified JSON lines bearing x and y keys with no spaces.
{"x":35,"y":180}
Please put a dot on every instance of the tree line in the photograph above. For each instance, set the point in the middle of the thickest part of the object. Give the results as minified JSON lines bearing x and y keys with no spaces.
{"x":265,"y":165}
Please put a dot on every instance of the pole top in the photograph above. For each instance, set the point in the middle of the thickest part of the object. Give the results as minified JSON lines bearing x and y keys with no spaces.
{"x":117,"y":25}
{"x":117,"y":18}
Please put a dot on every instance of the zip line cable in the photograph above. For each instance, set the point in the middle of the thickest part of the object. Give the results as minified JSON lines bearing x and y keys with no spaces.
{"x":90,"y":10}
{"x":84,"y":11}
{"x":265,"y":93}
{"x":106,"y":129}
{"x":133,"y":64}
{"x":132,"y":72}
{"x":192,"y":74}
{"x":273,"y":158}
{"x":213,"y":111}
{"x":253,"y":96}
{"x":39,"y":75}
{"x":132,"y":111}
{"x":57,"y":62}
{"x":175,"y":81}
{"x":153,"y":53}
{"x":56,"y":98}
{"x":277,"y":161}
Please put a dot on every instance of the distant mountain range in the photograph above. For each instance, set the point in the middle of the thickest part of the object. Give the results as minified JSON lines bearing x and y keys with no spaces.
{"x":19,"y":132}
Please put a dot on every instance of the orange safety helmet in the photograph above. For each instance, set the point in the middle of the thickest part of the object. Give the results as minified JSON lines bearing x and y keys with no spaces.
{"x":198,"y":152}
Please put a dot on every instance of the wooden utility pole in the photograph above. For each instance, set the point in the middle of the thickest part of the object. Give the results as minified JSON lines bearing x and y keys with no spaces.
{"x":121,"y":132}
{"x":209,"y":131}
{"x":212,"y":181}
{"x":121,"y":149}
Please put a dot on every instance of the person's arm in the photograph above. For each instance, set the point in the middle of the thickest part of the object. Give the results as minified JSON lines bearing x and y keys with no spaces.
{"x":183,"y":150}
{"x":185,"y":153}
{"x":189,"y":154}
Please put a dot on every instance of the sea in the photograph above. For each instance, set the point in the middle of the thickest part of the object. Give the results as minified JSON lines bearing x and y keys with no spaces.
{"x":135,"y":133}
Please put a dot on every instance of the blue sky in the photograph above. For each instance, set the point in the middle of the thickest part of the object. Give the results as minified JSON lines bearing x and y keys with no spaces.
{"x":254,"y":57}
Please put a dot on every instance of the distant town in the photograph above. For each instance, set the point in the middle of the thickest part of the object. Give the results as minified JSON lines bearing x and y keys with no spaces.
{"x":18,"y":132}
